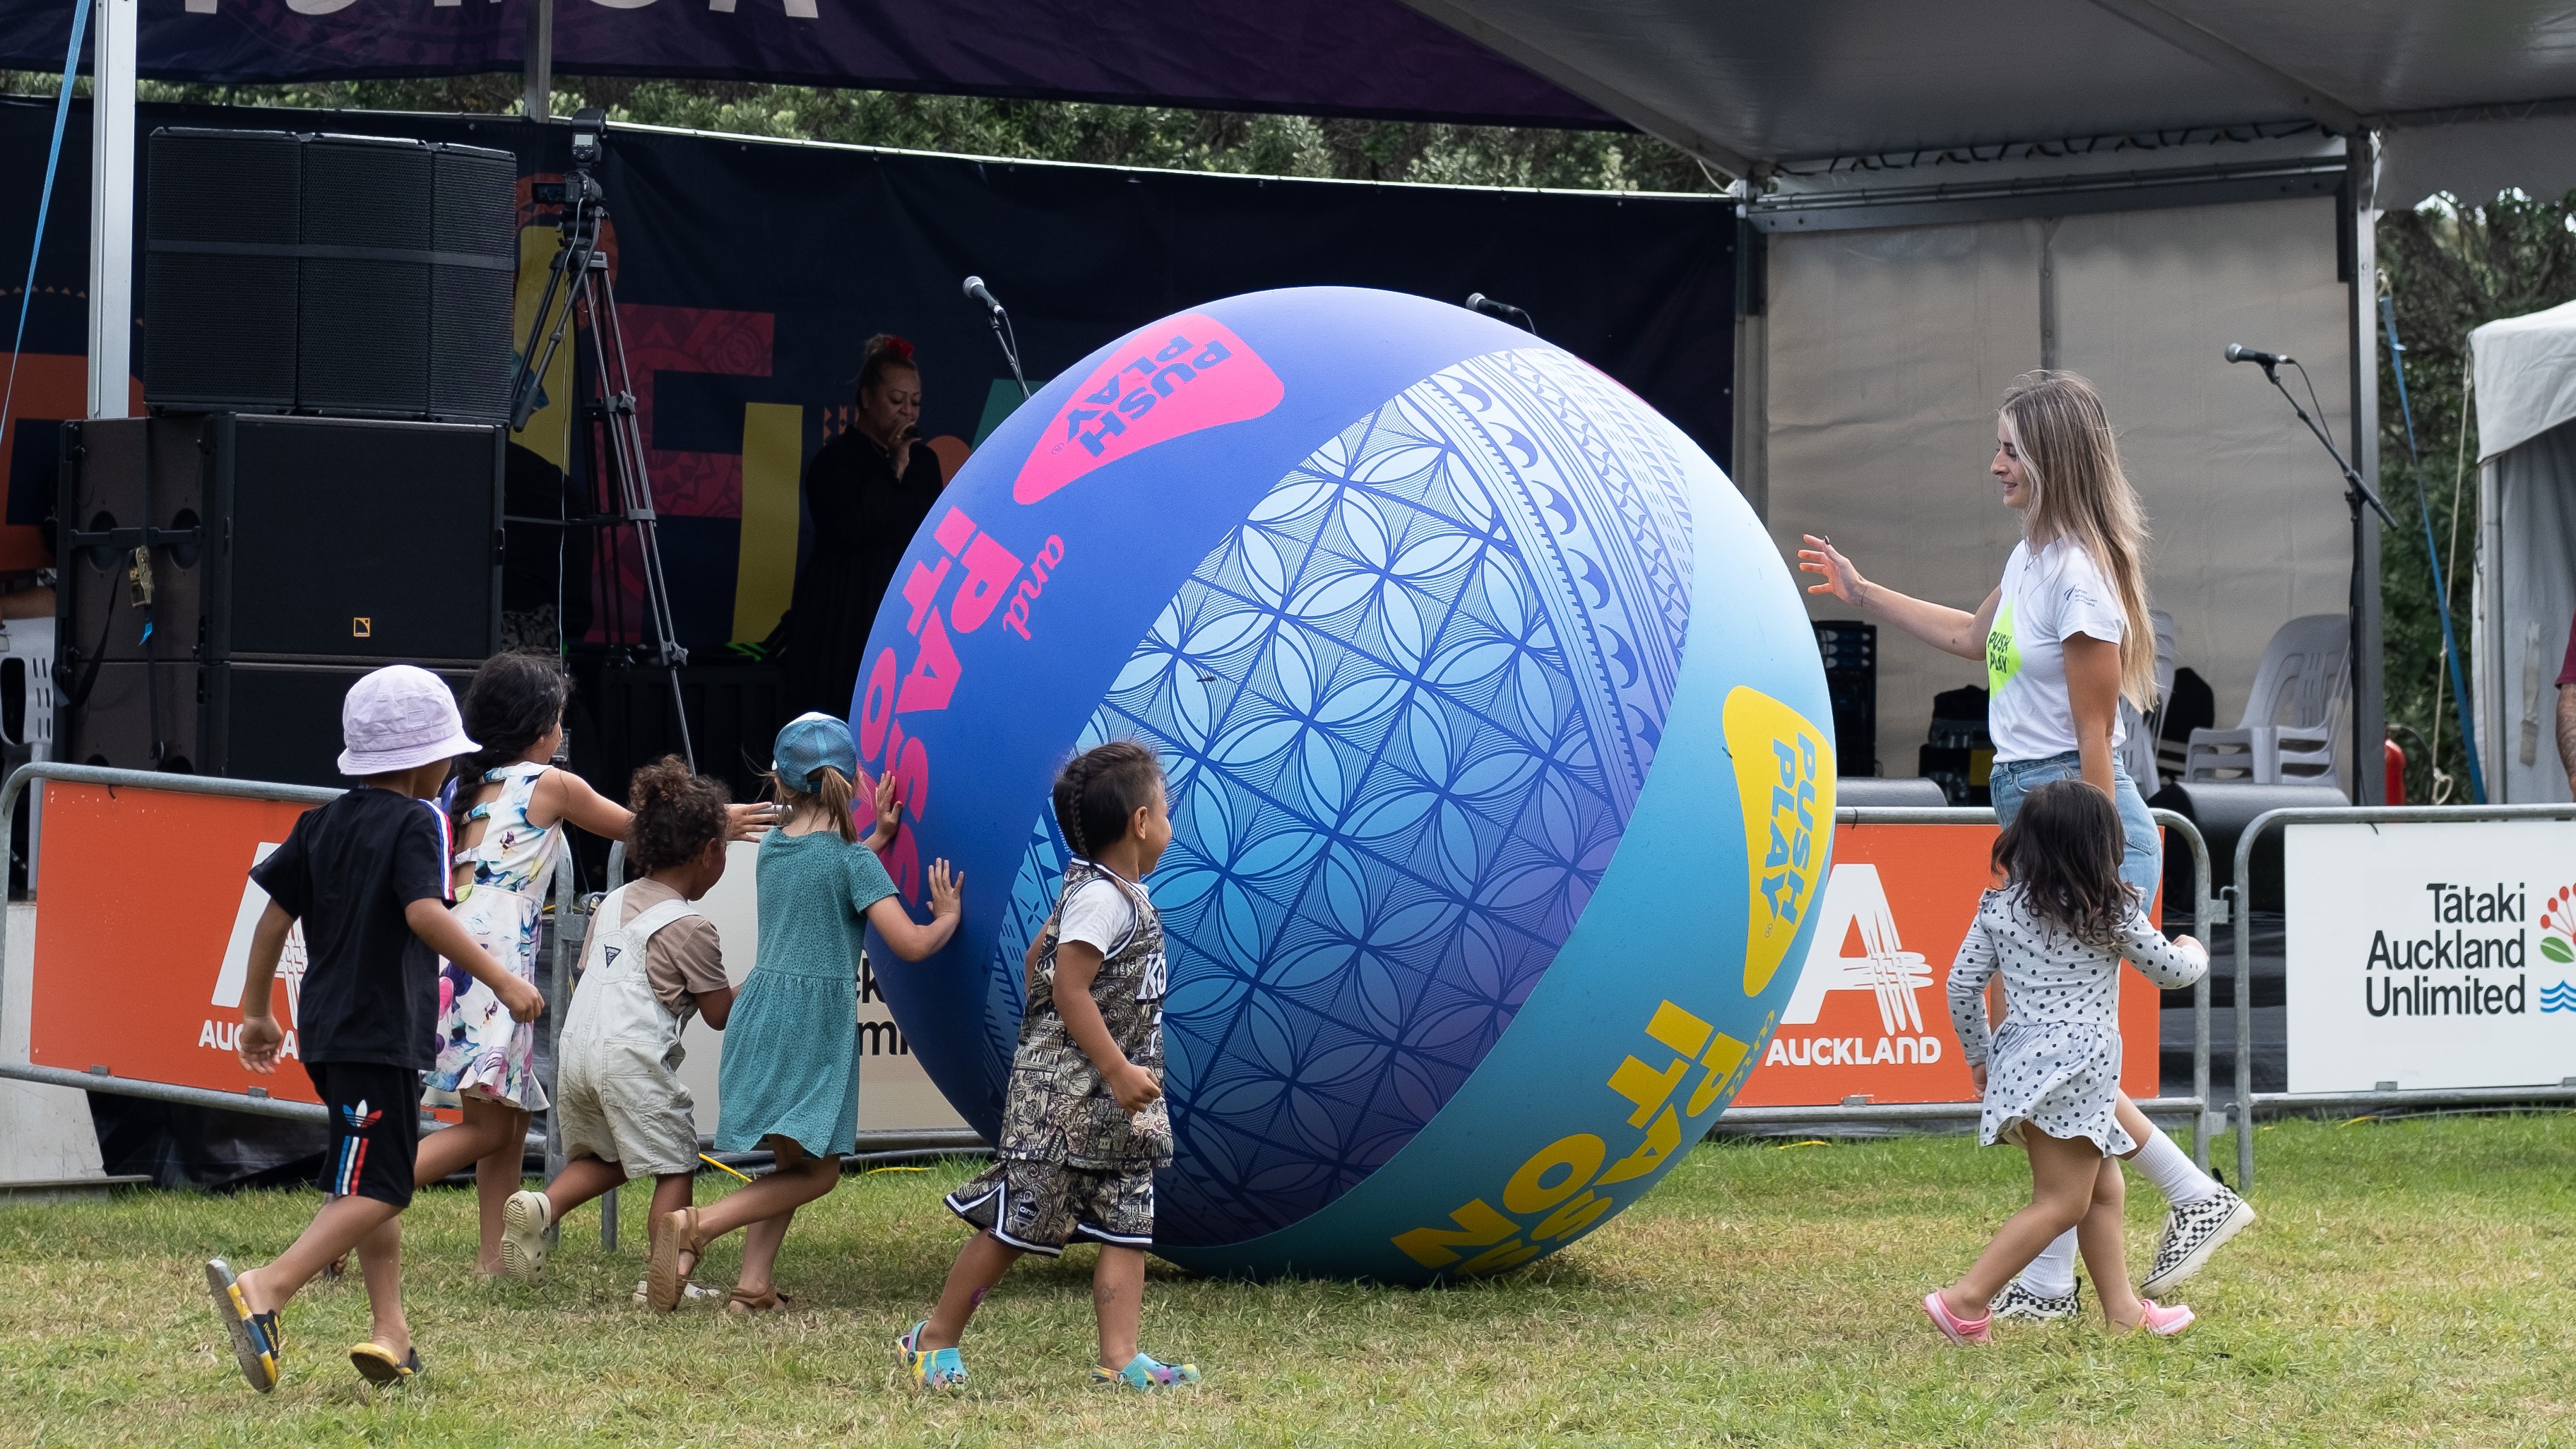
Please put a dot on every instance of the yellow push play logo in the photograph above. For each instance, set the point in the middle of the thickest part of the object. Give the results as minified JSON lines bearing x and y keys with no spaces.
{"x":1784,"y":772}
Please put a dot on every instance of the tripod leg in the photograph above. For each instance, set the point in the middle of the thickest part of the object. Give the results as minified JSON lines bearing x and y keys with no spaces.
{"x":635,"y":488}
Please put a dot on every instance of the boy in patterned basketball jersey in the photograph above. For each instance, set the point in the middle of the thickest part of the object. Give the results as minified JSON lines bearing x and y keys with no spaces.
{"x":1083,"y":1120}
{"x":367,"y":875}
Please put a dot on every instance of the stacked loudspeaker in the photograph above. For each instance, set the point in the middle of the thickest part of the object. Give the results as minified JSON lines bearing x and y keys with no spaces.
{"x":346,"y":275}
{"x":318,"y":491}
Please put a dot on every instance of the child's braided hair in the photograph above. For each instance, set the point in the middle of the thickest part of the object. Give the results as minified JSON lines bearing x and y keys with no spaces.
{"x":1099,"y":790}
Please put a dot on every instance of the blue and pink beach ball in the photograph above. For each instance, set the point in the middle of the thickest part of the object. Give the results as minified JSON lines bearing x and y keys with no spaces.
{"x":1500,"y":762}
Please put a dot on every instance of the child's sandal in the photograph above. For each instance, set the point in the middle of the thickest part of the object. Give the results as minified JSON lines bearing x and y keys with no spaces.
{"x":1961,"y":1331}
{"x":664,"y":1279}
{"x":1145,"y":1374}
{"x":932,"y":1369}
{"x":767,"y":1300}
{"x":377,"y":1364}
{"x":256,"y":1342}
{"x":2161,"y":1321}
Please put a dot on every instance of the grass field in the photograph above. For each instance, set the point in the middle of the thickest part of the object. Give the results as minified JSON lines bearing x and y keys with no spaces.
{"x":2409,"y":1284}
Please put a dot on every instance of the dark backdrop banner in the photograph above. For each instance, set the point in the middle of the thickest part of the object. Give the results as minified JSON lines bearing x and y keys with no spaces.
{"x":1308,"y":57}
{"x":749,"y":273}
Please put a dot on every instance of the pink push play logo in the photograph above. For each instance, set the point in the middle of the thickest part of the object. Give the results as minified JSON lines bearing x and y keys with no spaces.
{"x":1185,"y":375}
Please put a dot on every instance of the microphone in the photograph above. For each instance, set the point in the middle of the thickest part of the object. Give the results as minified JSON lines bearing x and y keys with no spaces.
{"x":976,"y":290}
{"x":1504,"y":311}
{"x":2239,"y":352}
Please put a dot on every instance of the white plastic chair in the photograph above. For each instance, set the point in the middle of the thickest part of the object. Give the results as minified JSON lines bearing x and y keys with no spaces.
{"x":2287,"y":736}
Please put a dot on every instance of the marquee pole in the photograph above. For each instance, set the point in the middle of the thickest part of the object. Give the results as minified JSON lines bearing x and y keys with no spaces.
{"x":537,"y":62}
{"x":111,"y":209}
{"x":2361,"y":275}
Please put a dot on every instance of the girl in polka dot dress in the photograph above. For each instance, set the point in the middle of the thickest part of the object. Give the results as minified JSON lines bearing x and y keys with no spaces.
{"x":2057,"y":933}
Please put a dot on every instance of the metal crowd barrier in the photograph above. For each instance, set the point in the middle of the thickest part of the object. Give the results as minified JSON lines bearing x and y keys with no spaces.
{"x":2206,"y":912}
{"x":565,"y":952}
{"x":2249,"y":1101}
{"x":257,"y":1102}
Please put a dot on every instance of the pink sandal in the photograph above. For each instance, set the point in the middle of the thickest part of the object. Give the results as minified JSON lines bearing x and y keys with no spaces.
{"x":2163,"y":1322}
{"x":1965,"y":1331}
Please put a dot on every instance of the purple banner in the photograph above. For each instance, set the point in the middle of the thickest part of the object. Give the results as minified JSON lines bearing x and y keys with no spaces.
{"x":1308,"y":57}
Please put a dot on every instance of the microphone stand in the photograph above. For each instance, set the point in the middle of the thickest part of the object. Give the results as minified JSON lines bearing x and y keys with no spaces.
{"x":2355,"y":494}
{"x":1003,"y":335}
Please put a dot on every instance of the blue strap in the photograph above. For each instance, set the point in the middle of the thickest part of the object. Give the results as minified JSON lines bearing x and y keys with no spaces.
{"x":45,"y":202}
{"x":2433,"y":556}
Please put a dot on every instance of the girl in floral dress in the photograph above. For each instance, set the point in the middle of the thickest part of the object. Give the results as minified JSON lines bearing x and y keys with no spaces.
{"x":511,"y":804}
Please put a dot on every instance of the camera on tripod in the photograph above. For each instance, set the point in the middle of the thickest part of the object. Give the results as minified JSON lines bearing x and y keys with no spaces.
{"x":577,"y":187}
{"x":589,"y":145}
{"x":609,"y":431}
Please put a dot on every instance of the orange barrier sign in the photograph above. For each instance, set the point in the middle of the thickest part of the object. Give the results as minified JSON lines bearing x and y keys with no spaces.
{"x":144,"y":922}
{"x":1871,"y":1015}
{"x":143,"y":926}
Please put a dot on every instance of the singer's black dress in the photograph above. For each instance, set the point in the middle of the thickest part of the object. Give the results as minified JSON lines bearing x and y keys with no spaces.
{"x":864,"y":517}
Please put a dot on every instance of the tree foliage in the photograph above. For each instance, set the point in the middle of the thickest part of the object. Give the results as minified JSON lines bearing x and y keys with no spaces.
{"x":1158,"y":136}
{"x":2448,"y":267}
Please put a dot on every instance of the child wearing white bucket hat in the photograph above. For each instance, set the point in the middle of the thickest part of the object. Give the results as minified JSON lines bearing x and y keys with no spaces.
{"x":367,"y":875}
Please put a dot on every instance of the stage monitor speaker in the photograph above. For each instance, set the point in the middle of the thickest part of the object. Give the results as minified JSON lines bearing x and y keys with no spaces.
{"x":352,"y":276}
{"x":282,"y":540}
{"x":277,"y":722}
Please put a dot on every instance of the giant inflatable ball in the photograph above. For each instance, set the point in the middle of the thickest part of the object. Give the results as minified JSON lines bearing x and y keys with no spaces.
{"x":1500,"y":763}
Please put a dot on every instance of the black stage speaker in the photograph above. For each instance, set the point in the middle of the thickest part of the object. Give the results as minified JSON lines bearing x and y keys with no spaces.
{"x":277,"y":722}
{"x":221,"y":224}
{"x":109,"y":467}
{"x":1850,"y":653}
{"x":348,"y":275}
{"x":284,"y":556}
{"x":323,"y":539}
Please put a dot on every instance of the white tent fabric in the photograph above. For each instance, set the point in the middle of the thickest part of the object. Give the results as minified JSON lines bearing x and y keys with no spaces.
{"x":1749,"y":87}
{"x":1889,"y":349}
{"x":2479,"y":157}
{"x":2525,"y":392}
{"x":2525,"y":377}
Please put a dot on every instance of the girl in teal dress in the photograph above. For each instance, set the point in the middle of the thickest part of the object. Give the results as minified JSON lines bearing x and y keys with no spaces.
{"x":789,"y":1080}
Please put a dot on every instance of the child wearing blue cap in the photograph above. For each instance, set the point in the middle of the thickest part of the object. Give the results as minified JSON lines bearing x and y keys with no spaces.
{"x":789,"y":1080}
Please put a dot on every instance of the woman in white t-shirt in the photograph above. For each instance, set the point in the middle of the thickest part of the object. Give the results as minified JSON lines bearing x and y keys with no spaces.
{"x":2064,"y":639}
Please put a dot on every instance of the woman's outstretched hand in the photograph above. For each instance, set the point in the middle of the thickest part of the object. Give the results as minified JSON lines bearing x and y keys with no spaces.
{"x":1841,"y":579}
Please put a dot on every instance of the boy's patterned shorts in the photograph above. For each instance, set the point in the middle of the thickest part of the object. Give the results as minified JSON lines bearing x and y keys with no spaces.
{"x":1038,"y":1207}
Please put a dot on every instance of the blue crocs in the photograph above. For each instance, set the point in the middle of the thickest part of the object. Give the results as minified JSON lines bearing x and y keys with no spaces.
{"x":934,"y":1369}
{"x":1145,"y":1375}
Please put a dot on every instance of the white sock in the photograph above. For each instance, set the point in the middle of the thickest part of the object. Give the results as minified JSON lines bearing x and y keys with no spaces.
{"x":2052,"y":1273}
{"x":2170,"y":1169}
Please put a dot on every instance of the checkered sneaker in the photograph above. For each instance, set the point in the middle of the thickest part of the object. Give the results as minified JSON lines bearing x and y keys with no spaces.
{"x":2192,"y":1234}
{"x":2018,"y":1301}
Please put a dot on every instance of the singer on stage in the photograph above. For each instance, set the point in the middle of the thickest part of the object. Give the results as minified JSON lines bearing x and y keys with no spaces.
{"x":868,"y":491}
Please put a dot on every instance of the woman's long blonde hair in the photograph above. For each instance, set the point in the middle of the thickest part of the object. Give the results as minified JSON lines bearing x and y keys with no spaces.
{"x":2079,"y":492}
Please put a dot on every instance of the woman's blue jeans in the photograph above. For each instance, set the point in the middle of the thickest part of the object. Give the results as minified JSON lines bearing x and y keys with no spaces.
{"x":2142,"y":865}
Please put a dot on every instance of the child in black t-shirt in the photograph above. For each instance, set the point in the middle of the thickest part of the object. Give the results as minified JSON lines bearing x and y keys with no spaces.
{"x":367,"y":874}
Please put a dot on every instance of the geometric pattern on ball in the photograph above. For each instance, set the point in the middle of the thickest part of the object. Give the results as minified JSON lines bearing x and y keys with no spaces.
{"x":1406,"y":709}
